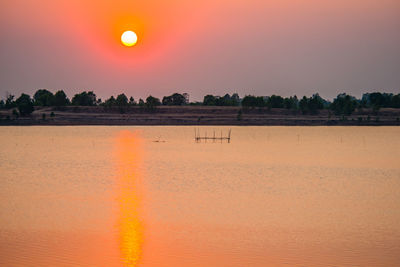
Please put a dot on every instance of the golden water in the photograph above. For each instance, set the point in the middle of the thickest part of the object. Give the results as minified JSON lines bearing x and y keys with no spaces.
{"x":274,"y":196}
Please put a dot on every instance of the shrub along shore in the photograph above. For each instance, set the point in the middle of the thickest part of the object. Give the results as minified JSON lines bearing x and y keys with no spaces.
{"x":46,"y":108}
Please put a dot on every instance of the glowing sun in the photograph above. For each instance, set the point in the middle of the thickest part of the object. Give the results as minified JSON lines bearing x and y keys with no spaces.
{"x":129,"y":38}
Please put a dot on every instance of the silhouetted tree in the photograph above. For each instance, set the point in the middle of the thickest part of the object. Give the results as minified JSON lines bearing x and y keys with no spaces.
{"x":315,"y":103}
{"x":291,"y":102}
{"x":152,"y":102}
{"x":235,"y":99}
{"x":311,"y":105}
{"x":10,"y":103}
{"x":24,"y":104}
{"x":43,"y":97}
{"x":174,"y":100}
{"x":60,"y":99}
{"x":132,"y":101}
{"x":121,"y":101}
{"x":275,"y":101}
{"x":344,"y":105}
{"x":395,"y":103}
{"x":209,"y":100}
{"x":110,"y":102}
{"x":253,"y":101}
{"x":84,"y":99}
{"x":303,"y":105}
{"x":141,"y":102}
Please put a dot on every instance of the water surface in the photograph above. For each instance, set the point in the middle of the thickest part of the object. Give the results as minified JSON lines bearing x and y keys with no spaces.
{"x":274,"y":196}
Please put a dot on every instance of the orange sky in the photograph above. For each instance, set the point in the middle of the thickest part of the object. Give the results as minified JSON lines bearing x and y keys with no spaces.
{"x":251,"y":47}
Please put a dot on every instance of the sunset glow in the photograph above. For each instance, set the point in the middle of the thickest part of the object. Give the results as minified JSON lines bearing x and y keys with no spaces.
{"x":127,"y":153}
{"x":284,"y":47}
{"x":129,"y":38}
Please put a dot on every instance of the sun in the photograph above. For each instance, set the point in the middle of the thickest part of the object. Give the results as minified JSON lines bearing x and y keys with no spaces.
{"x":129,"y":38}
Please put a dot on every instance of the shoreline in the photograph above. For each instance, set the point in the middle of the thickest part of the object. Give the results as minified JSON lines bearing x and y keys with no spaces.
{"x":195,"y":116}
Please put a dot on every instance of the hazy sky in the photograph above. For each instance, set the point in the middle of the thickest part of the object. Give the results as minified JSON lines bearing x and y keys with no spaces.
{"x":260,"y":47}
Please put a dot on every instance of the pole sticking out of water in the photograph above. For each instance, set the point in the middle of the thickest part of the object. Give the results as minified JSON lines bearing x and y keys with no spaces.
{"x":198,"y":137}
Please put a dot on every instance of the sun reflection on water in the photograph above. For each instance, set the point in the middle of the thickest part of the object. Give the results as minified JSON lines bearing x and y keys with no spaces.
{"x":130,"y":226}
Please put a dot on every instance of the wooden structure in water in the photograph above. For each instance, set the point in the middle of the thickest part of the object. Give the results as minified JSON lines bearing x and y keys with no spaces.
{"x":214,"y":137}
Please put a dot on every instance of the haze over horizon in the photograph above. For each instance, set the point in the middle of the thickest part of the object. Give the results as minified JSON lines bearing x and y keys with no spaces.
{"x":201,"y":47}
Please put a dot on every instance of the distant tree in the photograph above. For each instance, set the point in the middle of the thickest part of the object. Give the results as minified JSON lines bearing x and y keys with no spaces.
{"x":303,"y":105}
{"x":315,"y":103}
{"x":226,"y":100}
{"x":235,"y":99}
{"x":152,"y":102}
{"x":377,"y":100}
{"x":10,"y":103}
{"x":132,"y":101}
{"x":344,"y":105}
{"x":84,"y":99}
{"x":275,"y":101}
{"x":311,"y":105}
{"x":209,"y":100}
{"x":395,"y":103}
{"x":43,"y":97}
{"x":141,"y":102}
{"x":24,"y":104}
{"x":110,"y":102}
{"x":175,"y":100}
{"x":291,"y":102}
{"x":60,"y":99}
{"x":121,"y":101}
{"x":2,"y":104}
{"x":253,"y":101}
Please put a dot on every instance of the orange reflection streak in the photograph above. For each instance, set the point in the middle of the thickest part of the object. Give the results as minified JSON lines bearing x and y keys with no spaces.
{"x":128,"y":158}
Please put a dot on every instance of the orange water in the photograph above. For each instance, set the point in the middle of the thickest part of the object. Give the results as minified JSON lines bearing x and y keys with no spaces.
{"x":274,"y":196}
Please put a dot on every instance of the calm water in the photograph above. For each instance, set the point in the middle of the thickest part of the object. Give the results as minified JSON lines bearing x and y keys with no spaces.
{"x":274,"y":196}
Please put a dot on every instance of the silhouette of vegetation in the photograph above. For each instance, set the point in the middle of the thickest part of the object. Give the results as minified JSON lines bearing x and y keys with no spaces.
{"x":344,"y":105}
{"x":132,"y":101}
{"x":141,"y":103}
{"x":275,"y":101}
{"x":84,"y":99}
{"x":311,"y":105}
{"x":209,"y":100}
{"x":43,"y":97}
{"x":24,"y":104}
{"x":176,"y":99}
{"x":291,"y":102}
{"x":152,"y":103}
{"x":121,"y":100}
{"x":253,"y":101}
{"x":10,"y":103}
{"x":226,"y":100}
{"x":60,"y":99}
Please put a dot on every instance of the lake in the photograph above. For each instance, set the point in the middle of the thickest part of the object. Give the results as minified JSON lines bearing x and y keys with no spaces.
{"x":152,"y":196}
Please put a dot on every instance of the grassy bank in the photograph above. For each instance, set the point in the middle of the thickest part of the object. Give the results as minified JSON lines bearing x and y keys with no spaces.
{"x":194,"y":115}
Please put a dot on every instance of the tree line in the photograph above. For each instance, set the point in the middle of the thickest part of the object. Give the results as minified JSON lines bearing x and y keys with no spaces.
{"x":343,"y":104}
